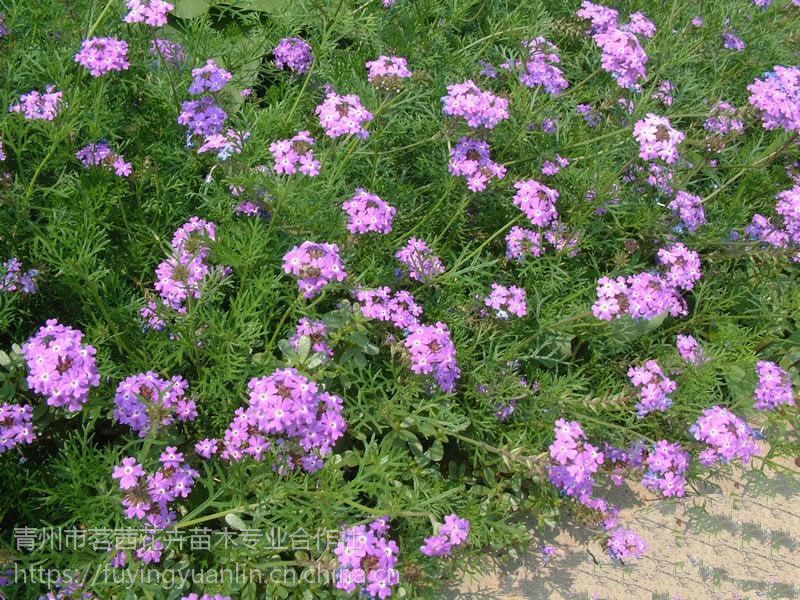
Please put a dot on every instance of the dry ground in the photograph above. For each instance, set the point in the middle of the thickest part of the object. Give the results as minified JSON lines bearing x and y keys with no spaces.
{"x":738,"y":539}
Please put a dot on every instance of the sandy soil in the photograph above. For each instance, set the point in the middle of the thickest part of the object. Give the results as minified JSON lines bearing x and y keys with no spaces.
{"x":739,"y":539}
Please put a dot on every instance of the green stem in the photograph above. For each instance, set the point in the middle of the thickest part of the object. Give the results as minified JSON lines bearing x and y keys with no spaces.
{"x":99,"y":18}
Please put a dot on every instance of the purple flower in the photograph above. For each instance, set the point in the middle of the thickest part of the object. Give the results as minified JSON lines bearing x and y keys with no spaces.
{"x":101,"y":155}
{"x":399,"y":308}
{"x":146,"y":402}
{"x":288,"y":414}
{"x":295,"y":154}
{"x":471,"y":159}
{"x":657,"y":138}
{"x":128,"y":473}
{"x":16,"y":425}
{"x":388,"y":72}
{"x":667,"y":465}
{"x":151,"y":12}
{"x":209,"y":78}
{"x":316,"y":331}
{"x":626,"y":544}
{"x":728,"y":436}
{"x":367,"y":559}
{"x":507,"y":300}
{"x":541,"y":67}
{"x":623,"y":57}
{"x":368,"y":213}
{"x":294,"y":54}
{"x":654,"y":388}
{"x":343,"y":115}
{"x":13,"y":279}
{"x":432,"y":352}
{"x":422,"y":264}
{"x":37,"y":106}
{"x":774,"y":386}
{"x":315,"y":266}
{"x":103,"y":55}
{"x":689,"y":208}
{"x":537,"y":201}
{"x":732,"y":41}
{"x":690,"y":350}
{"x":60,"y":367}
{"x":206,"y":447}
{"x":777,"y":97}
{"x":202,"y":117}
{"x":477,"y":107}
{"x":172,"y":52}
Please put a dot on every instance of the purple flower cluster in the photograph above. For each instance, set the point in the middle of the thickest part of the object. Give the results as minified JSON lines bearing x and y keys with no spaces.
{"x":774,"y":386}
{"x":477,"y":107}
{"x":575,"y":461}
{"x":3,"y":27}
{"x":398,"y":308}
{"x":60,"y":367}
{"x":777,"y":97}
{"x":145,"y":402}
{"x":194,"y":596}
{"x":683,"y":266}
{"x":367,"y":560}
{"x":209,"y":78}
{"x":103,"y":55}
{"x":315,"y":266}
{"x":13,"y":279}
{"x":623,"y":57}
{"x":206,"y":447}
{"x":667,"y":465}
{"x":184,"y":274}
{"x":690,"y":350}
{"x":471,"y":159}
{"x":316,"y":331}
{"x":537,"y":201}
{"x":722,"y":125}
{"x":368,"y":213}
{"x":603,"y":18}
{"x":551,"y":168}
{"x":541,"y":69}
{"x":640,"y":25}
{"x":654,"y":388}
{"x":522,"y":242}
{"x":343,"y":115}
{"x":689,"y":209}
{"x":37,"y":106}
{"x":148,"y":495}
{"x":288,"y":414}
{"x":172,"y":52}
{"x":729,"y":437}
{"x":625,"y":544}
{"x":590,"y":116}
{"x":151,"y":12}
{"x":665,"y":93}
{"x":657,"y":138}
{"x":16,"y":425}
{"x":421,"y":262}
{"x":642,"y":296}
{"x":507,"y":300}
{"x":294,"y":54}
{"x":202,"y":117}
{"x":453,"y":532}
{"x":432,"y":352}
{"x":295,"y":154}
{"x":224,"y":144}
{"x":732,"y":41}
{"x":101,"y":155}
{"x":388,"y":72}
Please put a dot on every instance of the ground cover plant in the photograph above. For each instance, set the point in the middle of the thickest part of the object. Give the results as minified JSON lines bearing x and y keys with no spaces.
{"x":322,"y":299}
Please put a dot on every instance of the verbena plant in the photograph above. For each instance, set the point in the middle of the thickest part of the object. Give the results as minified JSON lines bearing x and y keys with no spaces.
{"x":479,"y":440}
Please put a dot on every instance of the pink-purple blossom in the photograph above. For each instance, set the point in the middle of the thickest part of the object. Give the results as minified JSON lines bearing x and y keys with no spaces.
{"x":315,"y":266}
{"x":432,"y":352}
{"x":295,"y":155}
{"x":368,"y":213}
{"x":388,"y":72}
{"x":40,"y":106}
{"x":657,"y":138}
{"x":774,"y":387}
{"x":146,"y":402}
{"x":471,"y":159}
{"x":420,"y":261}
{"x":151,"y":12}
{"x":343,"y":115}
{"x":367,"y":560}
{"x":479,"y":108}
{"x":103,"y":55}
{"x":507,"y":300}
{"x":60,"y":366}
{"x":295,"y":54}
{"x":654,"y":388}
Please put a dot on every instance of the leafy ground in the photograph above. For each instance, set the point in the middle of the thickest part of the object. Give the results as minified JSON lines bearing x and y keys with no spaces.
{"x":410,"y":451}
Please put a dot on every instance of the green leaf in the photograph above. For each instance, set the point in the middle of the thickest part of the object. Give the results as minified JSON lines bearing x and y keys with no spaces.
{"x":234,"y":521}
{"x":436,"y":451}
{"x":627,"y":329}
{"x":189,"y":9}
